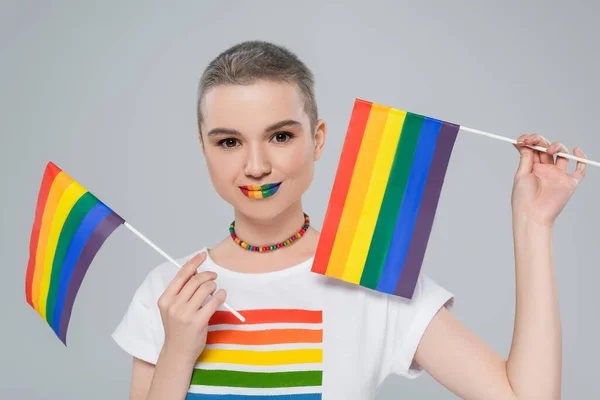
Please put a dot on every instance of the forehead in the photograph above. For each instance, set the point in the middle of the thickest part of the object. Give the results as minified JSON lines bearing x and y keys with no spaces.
{"x":252,"y":107}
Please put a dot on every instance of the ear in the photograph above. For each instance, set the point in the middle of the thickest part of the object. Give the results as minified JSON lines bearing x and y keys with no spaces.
{"x":319,"y":138}
{"x":201,"y":141}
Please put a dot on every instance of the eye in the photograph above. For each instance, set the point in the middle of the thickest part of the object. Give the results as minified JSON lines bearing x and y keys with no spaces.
{"x":227,"y":143}
{"x":282,"y":137}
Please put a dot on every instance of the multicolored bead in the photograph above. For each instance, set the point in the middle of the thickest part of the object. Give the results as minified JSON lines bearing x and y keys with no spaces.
{"x":271,"y":247}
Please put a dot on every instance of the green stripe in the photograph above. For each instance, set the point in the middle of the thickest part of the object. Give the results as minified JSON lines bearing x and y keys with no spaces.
{"x":85,"y":203}
{"x":256,"y":379}
{"x":392,"y":199}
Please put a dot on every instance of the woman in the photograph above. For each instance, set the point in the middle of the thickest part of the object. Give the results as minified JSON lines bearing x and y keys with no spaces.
{"x":307,"y":336}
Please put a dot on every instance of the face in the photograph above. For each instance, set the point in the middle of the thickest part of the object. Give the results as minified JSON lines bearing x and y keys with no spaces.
{"x":258,"y":145}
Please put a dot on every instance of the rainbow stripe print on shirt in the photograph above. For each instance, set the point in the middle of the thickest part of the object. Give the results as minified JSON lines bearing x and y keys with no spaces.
{"x":277,"y":354}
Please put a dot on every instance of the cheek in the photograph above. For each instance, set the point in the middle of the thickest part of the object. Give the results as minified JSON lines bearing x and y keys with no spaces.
{"x":222,"y":169}
{"x":298,"y":164}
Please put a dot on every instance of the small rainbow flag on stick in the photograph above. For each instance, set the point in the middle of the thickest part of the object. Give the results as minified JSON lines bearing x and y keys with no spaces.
{"x":384,"y":198}
{"x":385,"y":195}
{"x":69,"y":227}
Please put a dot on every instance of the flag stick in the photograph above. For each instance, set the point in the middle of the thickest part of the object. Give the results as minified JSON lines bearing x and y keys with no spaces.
{"x":539,"y":148}
{"x":165,"y":255}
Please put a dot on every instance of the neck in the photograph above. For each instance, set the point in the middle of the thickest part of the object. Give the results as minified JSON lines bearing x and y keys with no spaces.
{"x":263,"y":232}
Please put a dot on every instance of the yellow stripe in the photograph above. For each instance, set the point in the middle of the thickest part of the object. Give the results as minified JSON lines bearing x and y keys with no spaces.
{"x":356,"y":193}
{"x":59,"y":185}
{"x":67,"y":201}
{"x":250,"y":357}
{"x":370,"y":211}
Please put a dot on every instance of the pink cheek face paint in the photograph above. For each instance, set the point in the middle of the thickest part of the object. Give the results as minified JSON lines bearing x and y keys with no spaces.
{"x":260,"y":192}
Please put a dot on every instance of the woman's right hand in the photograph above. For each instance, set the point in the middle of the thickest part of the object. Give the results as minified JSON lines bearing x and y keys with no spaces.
{"x":184,"y":318}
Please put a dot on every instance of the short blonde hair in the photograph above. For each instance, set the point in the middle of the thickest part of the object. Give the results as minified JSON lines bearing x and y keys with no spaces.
{"x":252,"y":61}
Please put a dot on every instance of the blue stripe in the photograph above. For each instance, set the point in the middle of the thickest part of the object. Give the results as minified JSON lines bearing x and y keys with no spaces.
{"x":89,"y":223}
{"x":200,"y":396}
{"x":409,"y":209}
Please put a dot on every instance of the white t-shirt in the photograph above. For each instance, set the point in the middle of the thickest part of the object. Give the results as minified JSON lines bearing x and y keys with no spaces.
{"x":307,"y":336}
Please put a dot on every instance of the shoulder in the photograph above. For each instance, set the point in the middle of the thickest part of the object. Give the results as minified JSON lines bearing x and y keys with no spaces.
{"x":159,"y":278}
{"x":140,"y":331}
{"x":406,"y":316}
{"x":406,"y":321}
{"x":426,"y":299}
{"x":426,"y":291}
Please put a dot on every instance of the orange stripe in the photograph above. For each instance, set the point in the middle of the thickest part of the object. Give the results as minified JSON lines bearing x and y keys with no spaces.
{"x":49,"y":175}
{"x":359,"y":184}
{"x":268,"y":316}
{"x":268,"y":336}
{"x":341,"y":184}
{"x":60,"y":184}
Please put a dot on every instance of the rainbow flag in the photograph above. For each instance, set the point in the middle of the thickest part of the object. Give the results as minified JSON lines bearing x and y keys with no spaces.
{"x":384,"y":198}
{"x":69,"y":228}
{"x":275,"y":354}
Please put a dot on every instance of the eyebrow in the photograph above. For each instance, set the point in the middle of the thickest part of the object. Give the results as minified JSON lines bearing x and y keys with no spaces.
{"x":235,"y":132}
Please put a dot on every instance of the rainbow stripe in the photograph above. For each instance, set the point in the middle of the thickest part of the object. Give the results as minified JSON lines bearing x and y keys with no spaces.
{"x":384,"y":198}
{"x":69,"y":228}
{"x":274,"y":354}
{"x":260,"y":192}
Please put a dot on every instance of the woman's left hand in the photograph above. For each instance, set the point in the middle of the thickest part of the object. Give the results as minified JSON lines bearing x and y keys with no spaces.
{"x":542,"y":187}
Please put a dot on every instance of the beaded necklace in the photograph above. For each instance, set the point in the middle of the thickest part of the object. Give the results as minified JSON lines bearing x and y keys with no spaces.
{"x":263,"y":249}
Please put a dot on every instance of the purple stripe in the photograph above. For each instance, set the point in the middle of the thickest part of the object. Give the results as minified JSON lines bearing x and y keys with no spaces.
{"x":299,"y":396}
{"x":100,"y":234}
{"x":433,"y":188}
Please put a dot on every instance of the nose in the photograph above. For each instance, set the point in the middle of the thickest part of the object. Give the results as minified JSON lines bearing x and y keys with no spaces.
{"x":257,"y":163}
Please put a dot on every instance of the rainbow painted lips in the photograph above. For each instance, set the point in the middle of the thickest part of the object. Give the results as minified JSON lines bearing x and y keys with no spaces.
{"x":260,"y":192}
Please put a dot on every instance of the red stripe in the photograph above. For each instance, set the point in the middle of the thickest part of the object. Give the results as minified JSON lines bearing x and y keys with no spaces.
{"x":268,"y":316}
{"x":341,"y":184}
{"x":50,"y":174}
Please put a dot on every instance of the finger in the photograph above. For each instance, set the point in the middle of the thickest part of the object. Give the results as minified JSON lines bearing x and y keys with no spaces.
{"x":201,"y":294}
{"x":581,"y":167}
{"x":561,"y":162}
{"x":526,"y":162}
{"x":539,"y":156}
{"x":525,"y":140}
{"x":211,"y":306}
{"x":545,"y":158}
{"x":191,"y":287}
{"x":184,"y":274}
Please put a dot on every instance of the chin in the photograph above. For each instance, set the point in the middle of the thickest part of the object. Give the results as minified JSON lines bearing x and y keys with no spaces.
{"x":262,"y":208}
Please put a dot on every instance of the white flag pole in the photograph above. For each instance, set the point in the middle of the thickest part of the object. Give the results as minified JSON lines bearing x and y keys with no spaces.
{"x":165,"y":255}
{"x":539,"y":148}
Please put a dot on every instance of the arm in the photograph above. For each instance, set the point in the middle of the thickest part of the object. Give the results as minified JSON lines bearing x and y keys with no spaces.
{"x":535,"y":360}
{"x":461,"y":361}
{"x":141,"y":377}
{"x":169,"y":379}
{"x":185,"y":319}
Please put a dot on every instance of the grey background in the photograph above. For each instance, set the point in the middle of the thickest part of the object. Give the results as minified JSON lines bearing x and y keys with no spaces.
{"x":107,"y":90}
